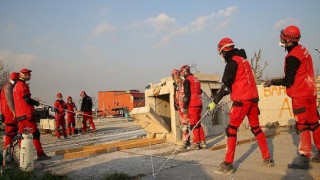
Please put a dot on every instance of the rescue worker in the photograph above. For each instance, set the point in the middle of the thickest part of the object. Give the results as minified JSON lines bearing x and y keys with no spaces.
{"x":178,"y":103}
{"x":71,"y":107}
{"x":59,"y":108}
{"x":238,"y":81}
{"x":8,"y":110}
{"x":86,"y":109}
{"x":300,"y":85}
{"x":24,"y":106}
{"x":192,"y":106}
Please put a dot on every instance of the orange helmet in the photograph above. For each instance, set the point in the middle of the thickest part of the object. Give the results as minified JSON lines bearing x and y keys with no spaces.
{"x":59,"y":95}
{"x":225,"y":44}
{"x":14,"y":76}
{"x":290,"y":34}
{"x":25,"y":74}
{"x":175,"y":73}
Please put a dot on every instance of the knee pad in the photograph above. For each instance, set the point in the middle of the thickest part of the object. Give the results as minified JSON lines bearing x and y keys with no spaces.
{"x":36,"y":135}
{"x":229,"y":132}
{"x":256,"y":130}
{"x":313,"y":126}
{"x":299,"y":128}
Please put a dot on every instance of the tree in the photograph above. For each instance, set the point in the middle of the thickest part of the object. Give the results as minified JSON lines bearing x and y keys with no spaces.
{"x":256,"y":65}
{"x":193,"y":68}
{"x":4,"y":73}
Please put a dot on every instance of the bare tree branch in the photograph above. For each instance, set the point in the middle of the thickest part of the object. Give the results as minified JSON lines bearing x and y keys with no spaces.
{"x":256,"y":66}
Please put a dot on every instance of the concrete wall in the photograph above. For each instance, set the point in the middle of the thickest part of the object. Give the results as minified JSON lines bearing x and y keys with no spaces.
{"x":160,"y":99}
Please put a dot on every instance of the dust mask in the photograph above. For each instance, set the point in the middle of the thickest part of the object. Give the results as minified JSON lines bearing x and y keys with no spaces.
{"x":282,"y":44}
{"x":223,"y":59}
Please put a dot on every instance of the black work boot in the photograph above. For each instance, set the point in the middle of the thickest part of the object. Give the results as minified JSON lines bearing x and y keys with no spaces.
{"x":268,"y":162}
{"x":225,"y":168}
{"x":194,"y":146}
{"x":316,"y":158}
{"x":300,"y":162}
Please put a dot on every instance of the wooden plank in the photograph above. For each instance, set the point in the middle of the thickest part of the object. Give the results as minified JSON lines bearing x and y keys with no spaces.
{"x":89,"y":152}
{"x":107,"y":148}
{"x":64,"y":151}
{"x":140,"y":144}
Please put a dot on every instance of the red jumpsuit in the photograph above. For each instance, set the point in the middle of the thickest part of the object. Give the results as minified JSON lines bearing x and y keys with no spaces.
{"x":8,"y":111}
{"x":304,"y":100}
{"x":194,"y":105}
{"x":70,"y":116}
{"x":60,"y":107}
{"x":245,"y":99}
{"x":24,"y":106}
{"x":184,"y":119}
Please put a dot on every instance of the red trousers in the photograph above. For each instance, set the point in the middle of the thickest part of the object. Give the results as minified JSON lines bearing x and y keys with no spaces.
{"x":194,"y":118}
{"x":184,"y":121}
{"x":60,"y":123}
{"x":11,"y":130}
{"x":87,"y":116}
{"x":71,"y":123}
{"x":30,"y":123}
{"x":237,"y":114}
{"x":306,"y":115}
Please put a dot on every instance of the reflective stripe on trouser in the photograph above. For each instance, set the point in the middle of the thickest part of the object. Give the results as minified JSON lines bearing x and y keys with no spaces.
{"x":237,"y":114}
{"x":307,"y":119}
{"x":90,"y":119}
{"x":194,"y":117}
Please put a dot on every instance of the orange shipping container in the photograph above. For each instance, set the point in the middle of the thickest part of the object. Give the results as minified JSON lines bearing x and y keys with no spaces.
{"x":110,"y":101}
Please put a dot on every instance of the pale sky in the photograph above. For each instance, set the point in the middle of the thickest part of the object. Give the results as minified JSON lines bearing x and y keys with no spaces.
{"x":105,"y":45}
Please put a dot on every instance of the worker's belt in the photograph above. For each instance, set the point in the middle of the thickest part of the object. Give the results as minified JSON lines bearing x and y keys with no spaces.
{"x":11,"y":124}
{"x":300,"y":110}
{"x":255,"y":100}
{"x":237,"y":103}
{"x":20,"y":118}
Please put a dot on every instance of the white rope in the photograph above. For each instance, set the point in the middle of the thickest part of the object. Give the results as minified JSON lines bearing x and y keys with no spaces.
{"x":154,"y":174}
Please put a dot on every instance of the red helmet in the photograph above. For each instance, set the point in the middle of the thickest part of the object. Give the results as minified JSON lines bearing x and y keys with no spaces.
{"x":69,"y":98}
{"x":59,"y":95}
{"x":184,"y":68}
{"x":225,"y":44}
{"x":175,"y":73}
{"x":290,"y":34}
{"x":25,"y":74}
{"x":14,"y":76}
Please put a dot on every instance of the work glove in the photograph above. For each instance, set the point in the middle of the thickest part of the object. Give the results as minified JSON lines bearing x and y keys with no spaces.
{"x":267,"y":83}
{"x":185,"y":111}
{"x":176,"y":106}
{"x":1,"y":118}
{"x":212,"y":106}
